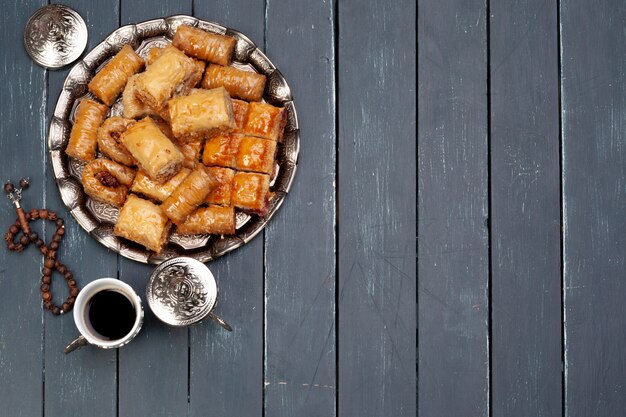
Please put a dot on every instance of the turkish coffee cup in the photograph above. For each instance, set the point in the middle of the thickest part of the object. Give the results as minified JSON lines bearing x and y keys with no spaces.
{"x":107,"y":313}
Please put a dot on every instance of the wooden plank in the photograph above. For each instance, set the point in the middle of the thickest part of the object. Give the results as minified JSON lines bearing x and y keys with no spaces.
{"x":300,"y":342}
{"x":226,"y":369}
{"x":377,"y":210}
{"x":525,"y":210}
{"x":153,"y":369}
{"x":22,"y":111}
{"x":453,"y":250}
{"x":91,"y":372}
{"x":593,"y":103}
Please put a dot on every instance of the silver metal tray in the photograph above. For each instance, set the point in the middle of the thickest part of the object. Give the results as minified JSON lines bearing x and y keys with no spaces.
{"x":98,"y":218}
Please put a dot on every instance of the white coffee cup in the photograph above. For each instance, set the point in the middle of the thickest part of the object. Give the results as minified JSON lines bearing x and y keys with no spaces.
{"x":88,"y":335}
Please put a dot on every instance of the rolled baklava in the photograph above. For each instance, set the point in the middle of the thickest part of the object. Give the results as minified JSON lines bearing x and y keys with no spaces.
{"x":107,"y":181}
{"x":84,"y":137}
{"x":189,"y":195}
{"x":204,"y":45}
{"x":242,"y":84}
{"x":109,"y":82}
{"x":221,"y":193}
{"x":212,"y":219}
{"x":109,"y":142}
{"x":156,"y":190}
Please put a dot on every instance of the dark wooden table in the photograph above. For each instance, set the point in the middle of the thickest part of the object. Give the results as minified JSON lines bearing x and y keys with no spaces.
{"x":322,"y":303}
{"x":508,"y":304}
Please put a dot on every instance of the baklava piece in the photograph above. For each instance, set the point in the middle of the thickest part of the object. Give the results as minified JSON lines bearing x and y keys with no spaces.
{"x":204,"y":45}
{"x":191,"y":151}
{"x":154,"y":152}
{"x":189,"y":194}
{"x":242,"y":84}
{"x":201,"y":113}
{"x":221,"y":193}
{"x":221,"y":151}
{"x":155,"y":190}
{"x":143,"y":222}
{"x":251,"y":192}
{"x":109,"y":139}
{"x":212,"y":219}
{"x":240,"y":111}
{"x":172,"y":73}
{"x":109,"y":82}
{"x":265,"y":121}
{"x":84,"y":137}
{"x":153,"y":54}
{"x":107,"y":181}
{"x":256,"y":155}
{"x":133,"y":107}
{"x":156,"y":52}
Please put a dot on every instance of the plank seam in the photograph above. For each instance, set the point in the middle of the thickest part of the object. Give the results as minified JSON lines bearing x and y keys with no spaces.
{"x":188,"y":372}
{"x":117,"y":381}
{"x":489,"y":219}
{"x":562,"y":207}
{"x":335,"y":11}
{"x":417,"y":208}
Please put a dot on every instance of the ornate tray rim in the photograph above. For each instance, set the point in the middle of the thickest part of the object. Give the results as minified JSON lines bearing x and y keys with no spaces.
{"x":75,"y":87}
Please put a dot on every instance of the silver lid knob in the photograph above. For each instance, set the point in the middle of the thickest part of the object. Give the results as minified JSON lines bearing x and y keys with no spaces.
{"x":55,"y":36}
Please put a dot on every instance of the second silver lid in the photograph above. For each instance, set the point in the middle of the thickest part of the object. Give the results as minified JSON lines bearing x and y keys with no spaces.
{"x":181,"y":291}
{"x":55,"y":36}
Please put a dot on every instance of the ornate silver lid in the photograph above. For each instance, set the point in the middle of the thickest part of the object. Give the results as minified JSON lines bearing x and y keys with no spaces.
{"x":182,"y":291}
{"x":55,"y":36}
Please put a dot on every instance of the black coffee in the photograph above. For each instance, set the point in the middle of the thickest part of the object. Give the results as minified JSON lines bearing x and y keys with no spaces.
{"x":111,"y":314}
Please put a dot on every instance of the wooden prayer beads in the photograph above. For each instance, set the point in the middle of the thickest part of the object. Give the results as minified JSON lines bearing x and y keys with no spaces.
{"x":49,"y":251}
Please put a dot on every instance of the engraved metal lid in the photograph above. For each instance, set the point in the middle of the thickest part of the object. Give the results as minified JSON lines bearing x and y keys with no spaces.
{"x":55,"y":36}
{"x":182,"y":291}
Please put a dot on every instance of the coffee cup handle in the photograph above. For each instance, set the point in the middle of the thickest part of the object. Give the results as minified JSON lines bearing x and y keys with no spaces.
{"x":77,"y":343}
{"x":221,"y":322}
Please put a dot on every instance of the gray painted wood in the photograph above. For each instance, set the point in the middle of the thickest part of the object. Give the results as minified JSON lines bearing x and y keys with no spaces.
{"x":525,"y":210}
{"x":300,"y":265}
{"x":153,"y":374}
{"x":377,"y":212}
{"x":226,"y":369}
{"x":453,"y":249}
{"x":22,"y":110}
{"x":84,"y":381}
{"x":594,"y":167}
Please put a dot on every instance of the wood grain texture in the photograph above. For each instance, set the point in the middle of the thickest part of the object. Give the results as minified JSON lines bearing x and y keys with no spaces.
{"x":84,"y":381}
{"x":22,"y":111}
{"x":593,"y":103}
{"x":377,"y":218}
{"x":226,"y":369}
{"x":300,"y":240}
{"x":153,"y":369}
{"x":525,"y":210}
{"x":453,"y":249}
